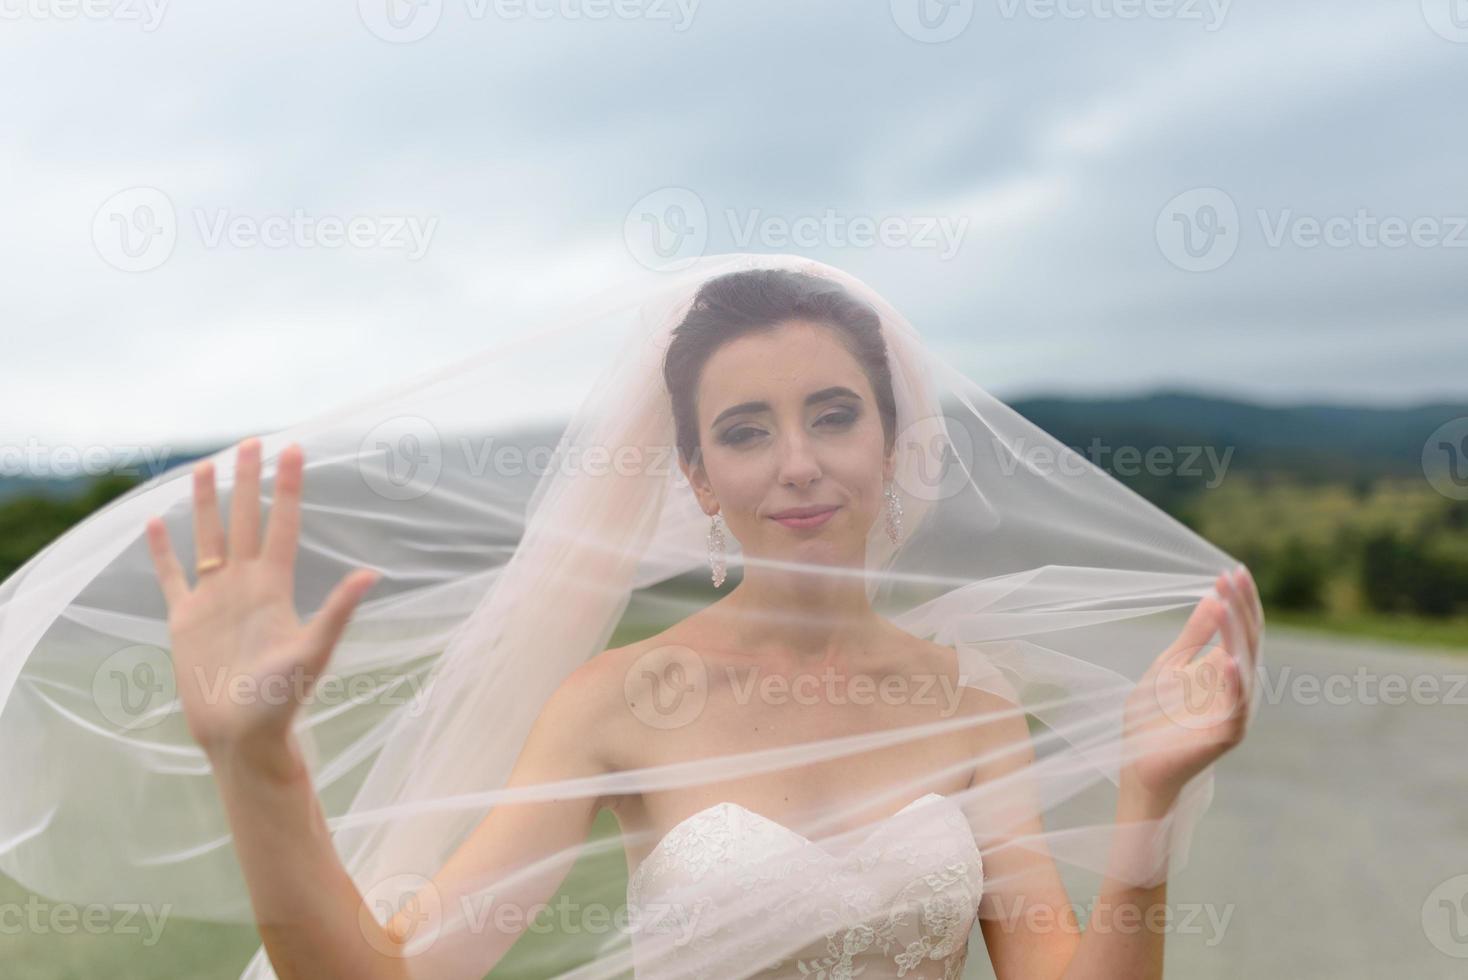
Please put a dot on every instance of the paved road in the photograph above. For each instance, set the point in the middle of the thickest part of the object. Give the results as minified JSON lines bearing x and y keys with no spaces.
{"x":1334,"y":824}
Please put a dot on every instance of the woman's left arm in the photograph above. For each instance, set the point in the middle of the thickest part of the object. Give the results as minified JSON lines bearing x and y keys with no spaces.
{"x":1170,"y":735}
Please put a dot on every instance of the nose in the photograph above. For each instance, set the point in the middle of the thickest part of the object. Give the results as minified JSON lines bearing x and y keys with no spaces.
{"x":798,"y":464}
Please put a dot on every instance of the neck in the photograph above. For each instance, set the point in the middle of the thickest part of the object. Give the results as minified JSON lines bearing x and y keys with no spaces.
{"x":815,"y":618}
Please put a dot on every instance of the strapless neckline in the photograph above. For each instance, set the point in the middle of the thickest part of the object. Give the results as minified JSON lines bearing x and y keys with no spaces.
{"x":770,"y":821}
{"x":727,"y":885}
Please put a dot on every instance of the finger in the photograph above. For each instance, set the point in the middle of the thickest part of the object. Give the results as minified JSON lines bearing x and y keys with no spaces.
{"x":1242,"y":607}
{"x":1236,"y":643}
{"x":325,"y":629}
{"x":208,"y":531}
{"x":285,"y":509}
{"x":165,"y":562}
{"x":244,"y":509}
{"x":1196,"y":632}
{"x":1253,"y":607}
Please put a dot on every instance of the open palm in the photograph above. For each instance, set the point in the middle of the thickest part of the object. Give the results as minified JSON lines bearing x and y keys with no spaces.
{"x":242,"y":659}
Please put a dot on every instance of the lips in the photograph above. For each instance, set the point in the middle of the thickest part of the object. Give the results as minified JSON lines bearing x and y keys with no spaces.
{"x":810,"y":511}
{"x":803,"y":517}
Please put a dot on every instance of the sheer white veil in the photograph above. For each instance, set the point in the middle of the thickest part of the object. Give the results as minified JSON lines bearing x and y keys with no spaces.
{"x":513,"y":548}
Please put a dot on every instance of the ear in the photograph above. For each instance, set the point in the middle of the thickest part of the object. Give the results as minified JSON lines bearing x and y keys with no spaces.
{"x":698,"y":479}
{"x":889,"y":464}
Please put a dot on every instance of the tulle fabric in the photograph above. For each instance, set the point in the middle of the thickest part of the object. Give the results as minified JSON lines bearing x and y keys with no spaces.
{"x":503,"y":571}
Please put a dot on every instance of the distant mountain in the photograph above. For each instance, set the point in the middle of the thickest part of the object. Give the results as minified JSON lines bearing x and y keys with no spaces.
{"x":1308,"y":443}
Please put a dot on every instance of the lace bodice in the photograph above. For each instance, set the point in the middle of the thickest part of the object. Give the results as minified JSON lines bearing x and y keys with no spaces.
{"x":900,"y":903}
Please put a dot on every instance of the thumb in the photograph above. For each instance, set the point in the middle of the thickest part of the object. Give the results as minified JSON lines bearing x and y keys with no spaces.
{"x":325,"y":629}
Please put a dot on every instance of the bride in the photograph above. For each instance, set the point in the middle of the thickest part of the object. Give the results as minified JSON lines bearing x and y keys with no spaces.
{"x":917,"y":701}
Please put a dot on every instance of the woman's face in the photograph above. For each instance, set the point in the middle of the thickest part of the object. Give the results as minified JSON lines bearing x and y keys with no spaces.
{"x":787,"y":419}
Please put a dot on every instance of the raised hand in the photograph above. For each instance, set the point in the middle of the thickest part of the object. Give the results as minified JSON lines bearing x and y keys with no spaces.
{"x":1186,"y":712}
{"x":242,"y":660}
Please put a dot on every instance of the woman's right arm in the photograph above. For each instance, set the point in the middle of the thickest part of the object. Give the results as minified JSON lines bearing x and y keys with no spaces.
{"x":310,"y":912}
{"x":239,"y":621}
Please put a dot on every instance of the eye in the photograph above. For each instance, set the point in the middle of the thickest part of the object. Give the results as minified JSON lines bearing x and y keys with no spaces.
{"x":733,"y":437}
{"x":743,"y":433}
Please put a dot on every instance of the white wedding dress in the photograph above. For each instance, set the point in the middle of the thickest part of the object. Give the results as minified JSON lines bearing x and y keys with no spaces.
{"x":900,"y":903}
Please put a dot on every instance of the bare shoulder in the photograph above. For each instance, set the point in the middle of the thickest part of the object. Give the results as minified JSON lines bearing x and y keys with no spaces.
{"x":982,"y":692}
{"x":599,"y":699}
{"x":593,"y":693}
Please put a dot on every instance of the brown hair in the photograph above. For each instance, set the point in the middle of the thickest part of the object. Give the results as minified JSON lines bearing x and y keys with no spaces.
{"x":739,"y":303}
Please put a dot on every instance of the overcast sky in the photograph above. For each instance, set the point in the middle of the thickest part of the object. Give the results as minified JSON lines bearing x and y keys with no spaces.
{"x":1262,"y":198}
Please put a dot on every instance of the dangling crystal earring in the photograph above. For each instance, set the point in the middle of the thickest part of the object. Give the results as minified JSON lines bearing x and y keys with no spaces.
{"x":894,"y":514}
{"x":716,"y":549}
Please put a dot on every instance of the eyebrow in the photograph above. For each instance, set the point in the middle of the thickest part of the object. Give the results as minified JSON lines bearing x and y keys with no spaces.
{"x":825,"y":394}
